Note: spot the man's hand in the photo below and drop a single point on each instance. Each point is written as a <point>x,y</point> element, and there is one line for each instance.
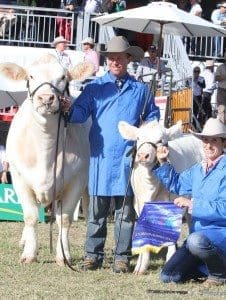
<point>4,178</point>
<point>65,104</point>
<point>70,7</point>
<point>162,153</point>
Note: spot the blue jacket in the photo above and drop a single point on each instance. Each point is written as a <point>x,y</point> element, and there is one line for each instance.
<point>109,166</point>
<point>208,192</point>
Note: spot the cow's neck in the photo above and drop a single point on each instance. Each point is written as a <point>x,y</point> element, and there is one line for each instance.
<point>46,124</point>
<point>45,131</point>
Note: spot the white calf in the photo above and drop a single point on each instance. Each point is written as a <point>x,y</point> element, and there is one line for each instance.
<point>183,152</point>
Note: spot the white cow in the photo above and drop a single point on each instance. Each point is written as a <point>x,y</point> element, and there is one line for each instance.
<point>183,152</point>
<point>31,150</point>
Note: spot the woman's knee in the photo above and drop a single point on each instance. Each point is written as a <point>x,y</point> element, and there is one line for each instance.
<point>197,242</point>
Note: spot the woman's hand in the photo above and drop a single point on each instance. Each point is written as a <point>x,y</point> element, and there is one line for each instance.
<point>183,202</point>
<point>65,104</point>
<point>162,153</point>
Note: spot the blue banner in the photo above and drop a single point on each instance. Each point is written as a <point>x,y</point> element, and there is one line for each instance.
<point>159,225</point>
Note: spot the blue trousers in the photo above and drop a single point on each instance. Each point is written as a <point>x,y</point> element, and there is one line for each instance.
<point>97,227</point>
<point>198,257</point>
<point>217,46</point>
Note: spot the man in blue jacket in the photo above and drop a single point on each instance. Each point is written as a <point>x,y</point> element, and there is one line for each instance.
<point>205,184</point>
<point>109,99</point>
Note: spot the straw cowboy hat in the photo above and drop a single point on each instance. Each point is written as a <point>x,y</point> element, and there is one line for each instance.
<point>59,39</point>
<point>212,128</point>
<point>209,63</point>
<point>222,4</point>
<point>119,44</point>
<point>88,40</point>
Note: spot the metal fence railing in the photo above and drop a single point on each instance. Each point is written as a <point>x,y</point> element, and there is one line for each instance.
<point>177,60</point>
<point>35,26</point>
<point>205,46</point>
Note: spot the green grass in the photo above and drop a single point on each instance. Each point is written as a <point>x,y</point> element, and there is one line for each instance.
<point>45,280</point>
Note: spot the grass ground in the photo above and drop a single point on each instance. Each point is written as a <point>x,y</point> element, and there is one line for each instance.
<point>45,280</point>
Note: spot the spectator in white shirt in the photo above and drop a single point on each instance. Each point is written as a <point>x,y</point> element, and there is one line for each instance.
<point>195,10</point>
<point>150,65</point>
<point>211,85</point>
<point>61,44</point>
<point>218,17</point>
<point>197,83</point>
<point>92,6</point>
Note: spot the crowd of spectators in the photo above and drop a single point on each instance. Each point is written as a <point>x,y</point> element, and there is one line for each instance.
<point>64,25</point>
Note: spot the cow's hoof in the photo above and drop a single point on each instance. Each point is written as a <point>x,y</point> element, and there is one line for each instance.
<point>28,260</point>
<point>140,272</point>
<point>61,262</point>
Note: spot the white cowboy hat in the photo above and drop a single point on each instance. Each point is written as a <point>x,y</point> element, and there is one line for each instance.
<point>59,39</point>
<point>212,128</point>
<point>209,63</point>
<point>88,40</point>
<point>119,44</point>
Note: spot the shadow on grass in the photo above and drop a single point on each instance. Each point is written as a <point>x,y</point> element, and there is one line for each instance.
<point>157,291</point>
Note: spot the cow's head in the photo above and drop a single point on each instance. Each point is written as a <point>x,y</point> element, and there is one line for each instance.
<point>46,80</point>
<point>147,137</point>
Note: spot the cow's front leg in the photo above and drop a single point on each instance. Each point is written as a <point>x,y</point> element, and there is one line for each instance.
<point>29,235</point>
<point>30,212</point>
<point>142,263</point>
<point>64,223</point>
<point>64,217</point>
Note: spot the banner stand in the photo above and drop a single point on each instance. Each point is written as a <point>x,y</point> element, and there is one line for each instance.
<point>10,208</point>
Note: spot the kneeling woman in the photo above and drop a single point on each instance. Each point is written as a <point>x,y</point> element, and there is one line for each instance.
<point>203,254</point>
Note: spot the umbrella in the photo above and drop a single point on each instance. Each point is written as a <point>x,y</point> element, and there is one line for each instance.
<point>11,98</point>
<point>12,93</point>
<point>161,18</point>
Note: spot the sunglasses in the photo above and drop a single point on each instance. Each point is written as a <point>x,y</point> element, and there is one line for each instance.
<point>196,71</point>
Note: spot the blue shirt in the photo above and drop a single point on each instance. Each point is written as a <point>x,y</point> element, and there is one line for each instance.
<point>101,99</point>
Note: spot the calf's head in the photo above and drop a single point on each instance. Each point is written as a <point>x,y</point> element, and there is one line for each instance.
<point>147,137</point>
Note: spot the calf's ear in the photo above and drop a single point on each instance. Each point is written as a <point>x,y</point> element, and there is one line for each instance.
<point>174,131</point>
<point>81,71</point>
<point>13,71</point>
<point>127,131</point>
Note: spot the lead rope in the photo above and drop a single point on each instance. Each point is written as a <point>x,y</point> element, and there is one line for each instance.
<point>52,215</point>
<point>65,117</point>
<point>133,151</point>
<point>54,189</point>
